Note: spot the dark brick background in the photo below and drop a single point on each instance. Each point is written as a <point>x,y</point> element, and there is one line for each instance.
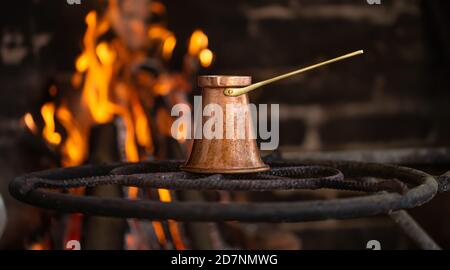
<point>393,96</point>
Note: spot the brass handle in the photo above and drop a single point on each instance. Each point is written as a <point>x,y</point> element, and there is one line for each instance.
<point>233,92</point>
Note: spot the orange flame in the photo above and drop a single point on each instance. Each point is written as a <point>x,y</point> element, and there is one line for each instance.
<point>143,134</point>
<point>82,63</point>
<point>133,192</point>
<point>169,45</point>
<point>206,57</point>
<point>97,61</point>
<point>159,34</point>
<point>29,123</point>
<point>159,231</point>
<point>164,196</point>
<point>104,100</point>
<point>182,132</point>
<point>198,46</point>
<point>49,133</point>
<point>197,42</point>
<point>74,148</point>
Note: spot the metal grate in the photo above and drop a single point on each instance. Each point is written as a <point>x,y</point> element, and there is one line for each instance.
<point>386,189</point>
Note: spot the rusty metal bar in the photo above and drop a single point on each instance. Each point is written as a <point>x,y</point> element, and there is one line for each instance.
<point>421,188</point>
<point>414,230</point>
<point>406,156</point>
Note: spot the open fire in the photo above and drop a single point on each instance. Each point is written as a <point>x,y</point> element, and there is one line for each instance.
<point>117,81</point>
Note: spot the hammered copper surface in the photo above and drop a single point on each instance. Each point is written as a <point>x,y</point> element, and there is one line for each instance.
<point>231,155</point>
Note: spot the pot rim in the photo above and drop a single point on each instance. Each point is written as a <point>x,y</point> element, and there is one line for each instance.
<point>223,81</point>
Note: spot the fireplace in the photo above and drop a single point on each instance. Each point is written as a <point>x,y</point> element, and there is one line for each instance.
<point>87,100</point>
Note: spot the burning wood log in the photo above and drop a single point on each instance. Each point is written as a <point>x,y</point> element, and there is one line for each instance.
<point>100,232</point>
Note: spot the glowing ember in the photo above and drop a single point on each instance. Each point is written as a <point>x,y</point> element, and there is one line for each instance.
<point>37,246</point>
<point>133,192</point>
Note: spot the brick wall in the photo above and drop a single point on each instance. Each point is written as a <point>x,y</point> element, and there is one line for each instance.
<point>395,95</point>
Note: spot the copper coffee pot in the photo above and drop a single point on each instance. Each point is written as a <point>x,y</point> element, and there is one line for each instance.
<point>233,155</point>
<point>224,155</point>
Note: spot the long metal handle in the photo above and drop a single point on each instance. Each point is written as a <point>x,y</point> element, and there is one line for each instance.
<point>233,92</point>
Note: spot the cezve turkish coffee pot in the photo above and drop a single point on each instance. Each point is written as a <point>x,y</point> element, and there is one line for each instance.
<point>233,155</point>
